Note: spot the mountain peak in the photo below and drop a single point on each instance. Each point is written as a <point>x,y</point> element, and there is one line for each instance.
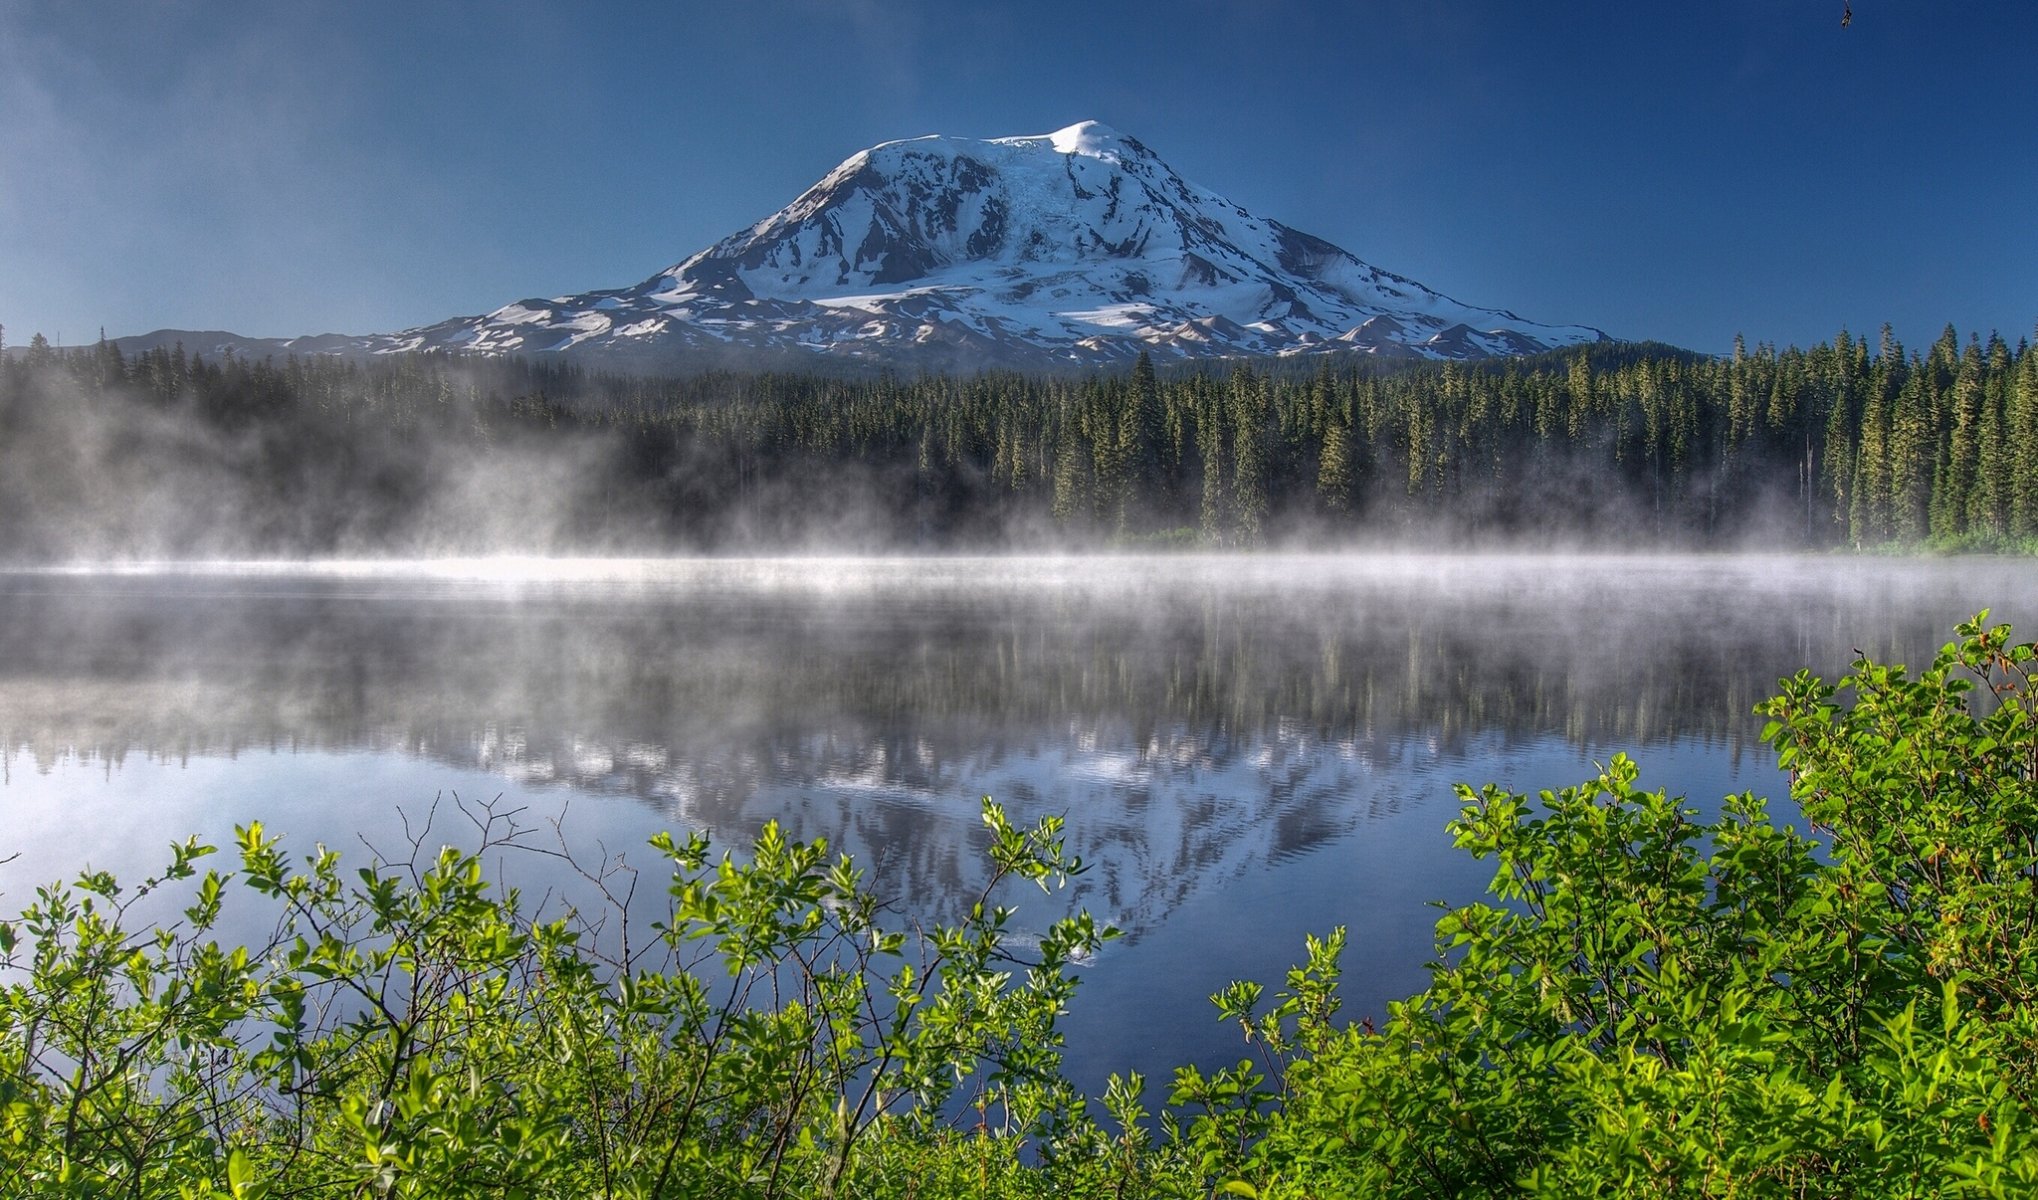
<point>1093,139</point>
<point>1079,246</point>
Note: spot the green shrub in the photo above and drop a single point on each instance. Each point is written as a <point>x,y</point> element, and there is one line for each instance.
<point>1656,1005</point>
<point>412,1031</point>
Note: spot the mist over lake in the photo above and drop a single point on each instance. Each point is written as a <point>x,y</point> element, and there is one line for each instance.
<point>1247,749</point>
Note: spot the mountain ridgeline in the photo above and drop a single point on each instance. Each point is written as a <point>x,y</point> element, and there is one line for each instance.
<point>1072,249</point>
<point>164,454</point>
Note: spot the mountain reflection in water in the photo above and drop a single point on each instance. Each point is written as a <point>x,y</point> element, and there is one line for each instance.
<point>1205,723</point>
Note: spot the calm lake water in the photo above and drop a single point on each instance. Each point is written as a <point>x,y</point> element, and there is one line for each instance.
<point>1247,749</point>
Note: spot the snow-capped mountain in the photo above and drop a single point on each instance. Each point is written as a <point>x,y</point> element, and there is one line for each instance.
<point>1075,247</point>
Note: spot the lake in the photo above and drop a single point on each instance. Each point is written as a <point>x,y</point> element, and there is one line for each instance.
<point>1247,749</point>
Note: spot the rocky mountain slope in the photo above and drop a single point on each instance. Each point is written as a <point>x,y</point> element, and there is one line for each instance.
<point>1074,248</point>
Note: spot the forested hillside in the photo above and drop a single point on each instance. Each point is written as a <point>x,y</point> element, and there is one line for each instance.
<point>1844,444</point>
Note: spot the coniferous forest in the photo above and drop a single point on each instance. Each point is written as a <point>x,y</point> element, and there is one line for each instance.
<point>1846,444</point>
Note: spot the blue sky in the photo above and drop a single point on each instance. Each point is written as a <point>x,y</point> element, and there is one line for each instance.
<point>1671,171</point>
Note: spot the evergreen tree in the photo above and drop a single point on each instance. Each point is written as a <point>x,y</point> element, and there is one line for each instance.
<point>2021,420</point>
<point>1912,461</point>
<point>1870,513</point>
<point>1953,493</point>
<point>1249,412</point>
<point>1988,508</point>
<point>1215,507</point>
<point>1334,465</point>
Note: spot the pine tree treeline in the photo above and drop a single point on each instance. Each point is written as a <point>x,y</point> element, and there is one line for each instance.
<point>1844,444</point>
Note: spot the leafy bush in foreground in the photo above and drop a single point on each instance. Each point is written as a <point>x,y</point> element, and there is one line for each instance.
<point>410,1031</point>
<point>1663,1006</point>
<point>1654,1005</point>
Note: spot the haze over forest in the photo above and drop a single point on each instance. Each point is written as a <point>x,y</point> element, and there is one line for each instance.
<point>1847,444</point>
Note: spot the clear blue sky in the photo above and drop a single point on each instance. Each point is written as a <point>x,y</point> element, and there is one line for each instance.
<point>1670,171</point>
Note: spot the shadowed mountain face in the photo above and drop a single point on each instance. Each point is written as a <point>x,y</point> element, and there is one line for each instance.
<point>1074,248</point>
